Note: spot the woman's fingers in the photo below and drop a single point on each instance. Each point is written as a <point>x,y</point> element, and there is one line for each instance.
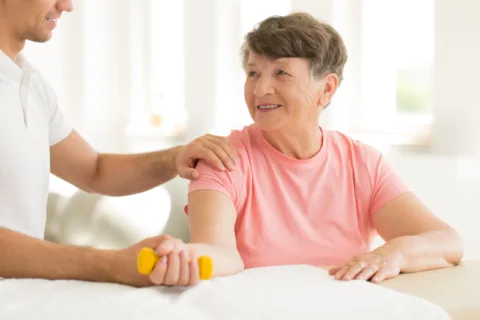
<point>333,270</point>
<point>384,274</point>
<point>173,270</point>
<point>341,272</point>
<point>368,272</point>
<point>184,277</point>
<point>194,271</point>
<point>157,276</point>
<point>354,270</point>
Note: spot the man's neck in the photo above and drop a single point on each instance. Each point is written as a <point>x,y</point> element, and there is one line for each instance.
<point>9,44</point>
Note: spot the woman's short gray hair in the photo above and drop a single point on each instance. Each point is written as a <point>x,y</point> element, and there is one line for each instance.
<point>298,35</point>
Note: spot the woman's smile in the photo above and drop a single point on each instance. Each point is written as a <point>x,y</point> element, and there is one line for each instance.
<point>268,107</point>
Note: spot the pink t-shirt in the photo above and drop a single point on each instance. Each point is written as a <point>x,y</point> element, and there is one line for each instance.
<point>316,211</point>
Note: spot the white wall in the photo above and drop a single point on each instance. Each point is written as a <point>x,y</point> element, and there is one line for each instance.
<point>448,177</point>
<point>457,67</point>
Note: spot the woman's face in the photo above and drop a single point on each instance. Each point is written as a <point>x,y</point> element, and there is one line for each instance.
<point>282,93</point>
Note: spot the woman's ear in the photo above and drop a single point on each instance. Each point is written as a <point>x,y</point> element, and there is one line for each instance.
<point>328,88</point>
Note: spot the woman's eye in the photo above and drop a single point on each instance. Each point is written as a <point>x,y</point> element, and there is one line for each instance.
<point>282,72</point>
<point>252,74</point>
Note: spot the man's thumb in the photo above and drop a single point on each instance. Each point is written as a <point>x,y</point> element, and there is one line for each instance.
<point>189,173</point>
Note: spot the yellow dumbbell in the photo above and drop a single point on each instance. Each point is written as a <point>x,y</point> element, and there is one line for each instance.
<point>147,258</point>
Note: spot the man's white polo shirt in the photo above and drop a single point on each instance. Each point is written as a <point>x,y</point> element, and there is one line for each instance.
<point>30,122</point>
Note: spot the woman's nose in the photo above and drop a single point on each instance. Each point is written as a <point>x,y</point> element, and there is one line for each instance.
<point>263,87</point>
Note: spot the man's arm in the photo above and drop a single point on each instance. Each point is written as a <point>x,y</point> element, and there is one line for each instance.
<point>75,161</point>
<point>212,217</point>
<point>24,257</point>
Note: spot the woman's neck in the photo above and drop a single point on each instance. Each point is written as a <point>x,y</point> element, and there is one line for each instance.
<point>298,143</point>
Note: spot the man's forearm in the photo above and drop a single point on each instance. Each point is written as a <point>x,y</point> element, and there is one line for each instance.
<point>225,262</point>
<point>119,175</point>
<point>431,250</point>
<point>25,257</point>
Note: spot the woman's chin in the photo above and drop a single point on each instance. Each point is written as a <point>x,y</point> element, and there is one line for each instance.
<point>268,125</point>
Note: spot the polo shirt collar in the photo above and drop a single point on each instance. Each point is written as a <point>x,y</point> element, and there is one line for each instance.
<point>12,71</point>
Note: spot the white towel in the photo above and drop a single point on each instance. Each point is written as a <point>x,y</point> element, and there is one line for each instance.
<point>285,292</point>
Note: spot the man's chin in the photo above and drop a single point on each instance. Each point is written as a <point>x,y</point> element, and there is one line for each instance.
<point>41,38</point>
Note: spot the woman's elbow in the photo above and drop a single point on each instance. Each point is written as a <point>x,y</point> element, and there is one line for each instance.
<point>240,263</point>
<point>235,265</point>
<point>457,247</point>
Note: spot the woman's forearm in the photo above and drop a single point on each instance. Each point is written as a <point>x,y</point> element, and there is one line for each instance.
<point>225,261</point>
<point>430,250</point>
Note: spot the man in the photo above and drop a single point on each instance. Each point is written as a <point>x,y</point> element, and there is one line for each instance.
<point>35,140</point>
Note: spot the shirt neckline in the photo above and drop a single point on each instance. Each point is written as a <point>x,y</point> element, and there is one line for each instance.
<point>319,156</point>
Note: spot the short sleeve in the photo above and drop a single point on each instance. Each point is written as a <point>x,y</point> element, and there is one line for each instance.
<point>387,184</point>
<point>59,128</point>
<point>229,183</point>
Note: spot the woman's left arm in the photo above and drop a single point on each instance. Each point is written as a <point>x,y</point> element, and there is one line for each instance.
<point>415,240</point>
<point>423,240</point>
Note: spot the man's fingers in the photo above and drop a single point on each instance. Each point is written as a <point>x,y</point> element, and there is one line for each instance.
<point>219,152</point>
<point>167,246</point>
<point>188,173</point>
<point>211,158</point>
<point>227,147</point>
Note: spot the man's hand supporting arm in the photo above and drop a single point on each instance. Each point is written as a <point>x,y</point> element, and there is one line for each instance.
<point>24,257</point>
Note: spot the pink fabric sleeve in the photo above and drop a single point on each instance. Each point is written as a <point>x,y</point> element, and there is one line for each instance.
<point>226,182</point>
<point>387,184</point>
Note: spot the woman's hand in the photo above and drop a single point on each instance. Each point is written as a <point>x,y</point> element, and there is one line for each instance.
<point>382,263</point>
<point>178,266</point>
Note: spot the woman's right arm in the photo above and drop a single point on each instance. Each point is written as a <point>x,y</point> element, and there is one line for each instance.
<point>212,217</point>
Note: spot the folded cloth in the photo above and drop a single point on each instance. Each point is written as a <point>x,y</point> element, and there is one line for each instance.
<point>283,292</point>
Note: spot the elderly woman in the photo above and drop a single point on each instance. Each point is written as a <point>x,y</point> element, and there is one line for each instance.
<point>301,194</point>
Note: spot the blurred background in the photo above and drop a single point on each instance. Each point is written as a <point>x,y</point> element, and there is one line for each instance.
<point>141,75</point>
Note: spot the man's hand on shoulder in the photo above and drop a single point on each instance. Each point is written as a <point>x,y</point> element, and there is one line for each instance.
<point>215,150</point>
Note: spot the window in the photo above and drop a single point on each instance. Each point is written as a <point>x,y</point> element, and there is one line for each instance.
<point>157,60</point>
<point>166,55</point>
<point>397,55</point>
